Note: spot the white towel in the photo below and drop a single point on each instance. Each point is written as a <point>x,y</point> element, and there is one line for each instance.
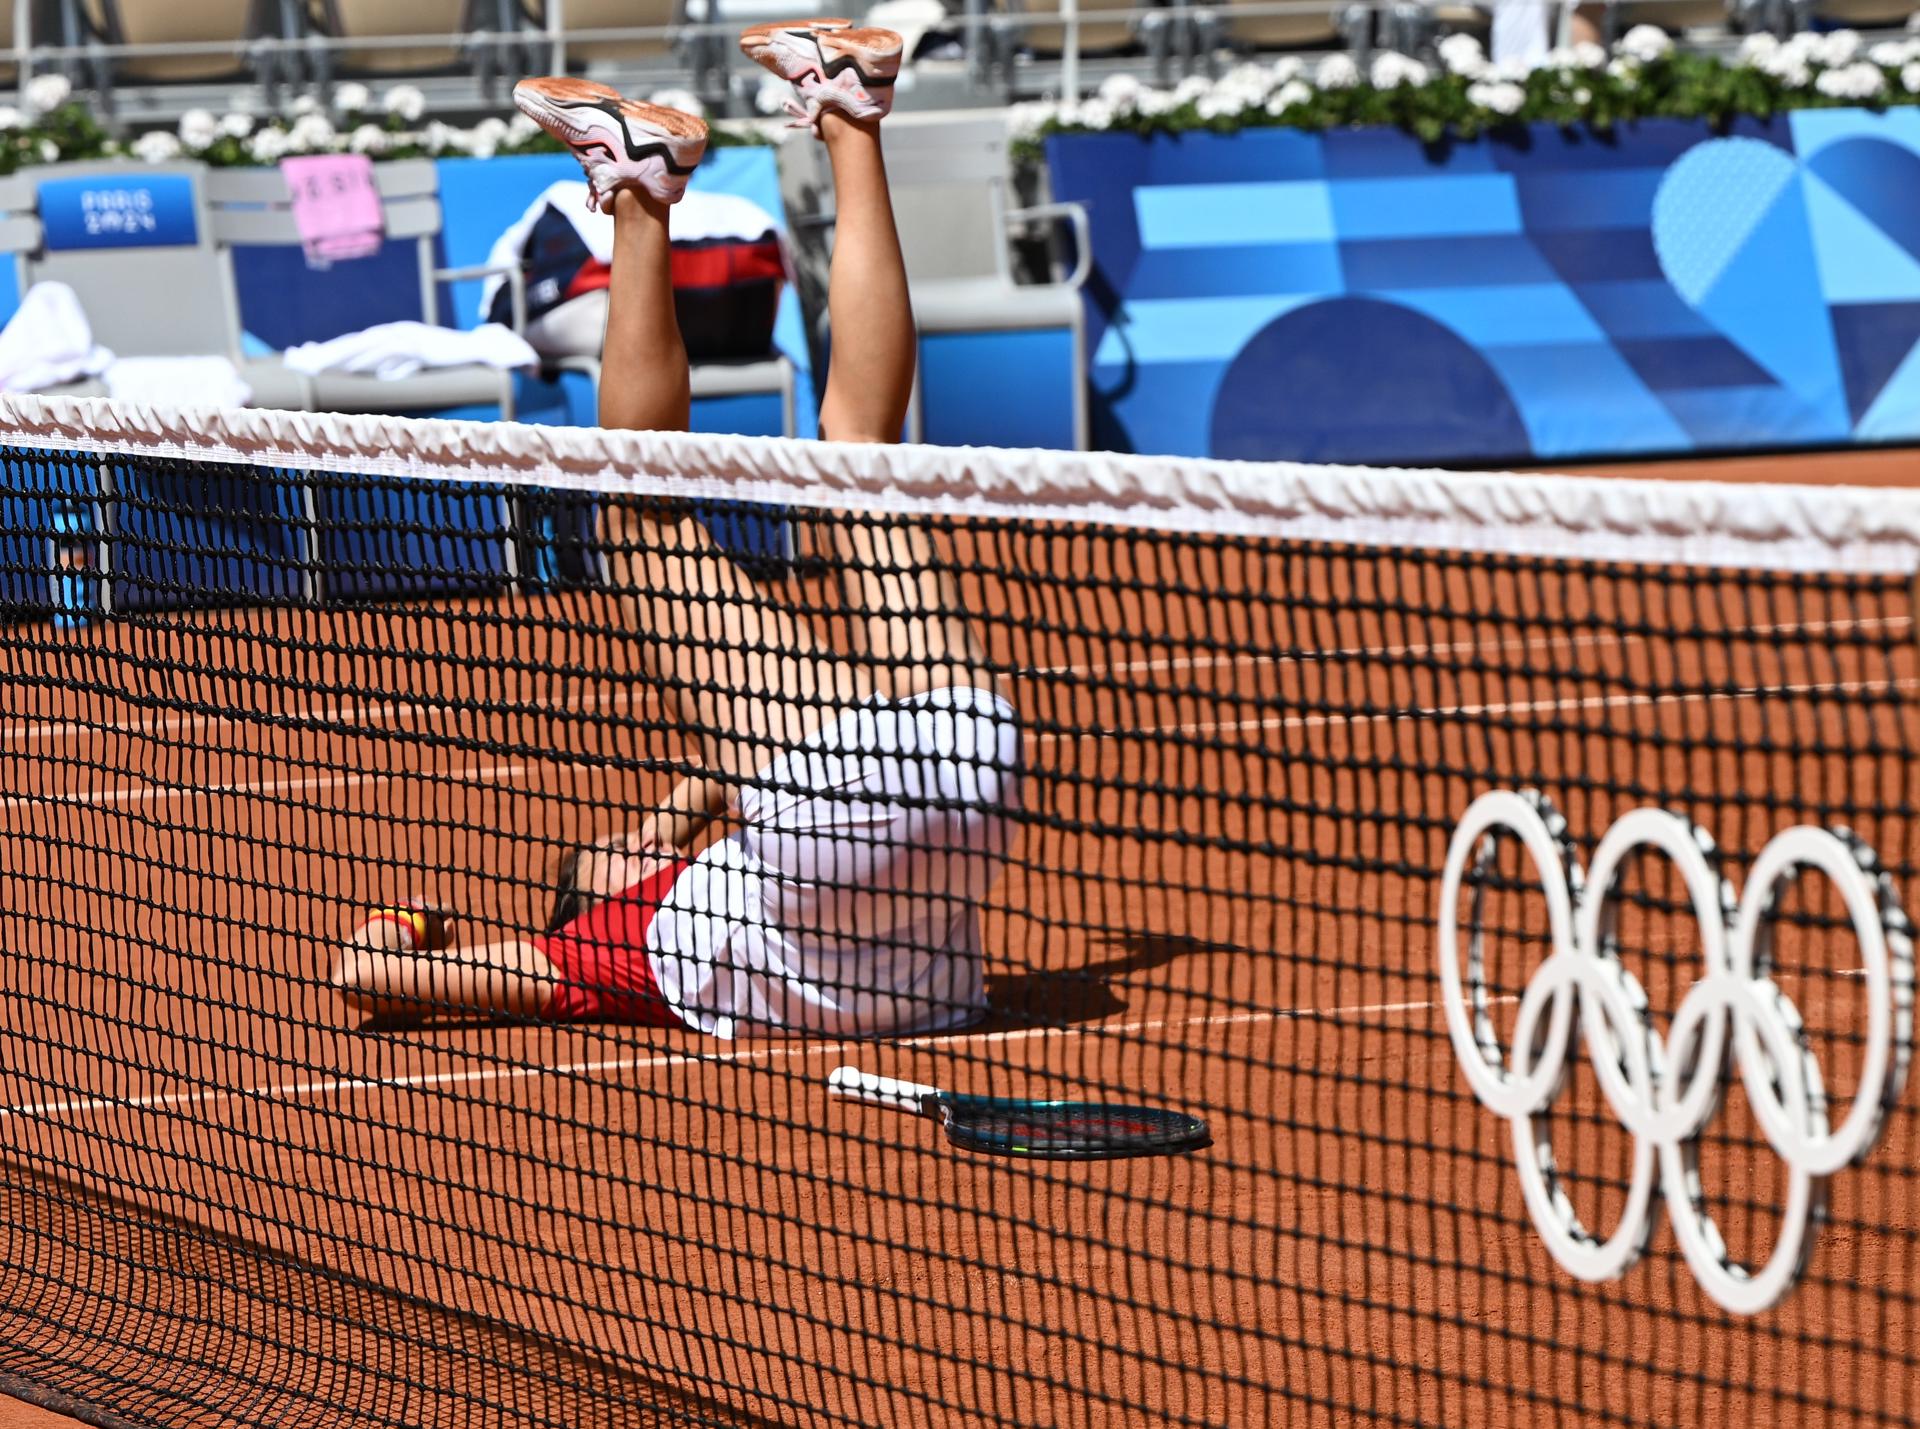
<point>394,350</point>
<point>178,382</point>
<point>48,342</point>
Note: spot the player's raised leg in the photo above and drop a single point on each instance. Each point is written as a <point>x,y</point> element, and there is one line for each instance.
<point>906,605</point>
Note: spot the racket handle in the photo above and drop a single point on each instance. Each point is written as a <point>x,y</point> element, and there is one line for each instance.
<point>856,1085</point>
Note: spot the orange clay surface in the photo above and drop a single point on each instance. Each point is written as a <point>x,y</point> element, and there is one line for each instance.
<point>479,1224</point>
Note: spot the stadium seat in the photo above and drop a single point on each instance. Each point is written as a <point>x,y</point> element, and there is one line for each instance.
<point>1859,14</point>
<point>1002,362</point>
<point>349,20</point>
<point>578,16</point>
<point>250,207</point>
<point>1103,27</point>
<point>1673,15</point>
<point>1319,29</point>
<point>157,22</point>
<point>171,297</point>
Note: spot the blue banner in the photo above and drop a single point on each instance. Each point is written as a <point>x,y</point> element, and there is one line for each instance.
<point>1360,296</point>
<point>131,210</point>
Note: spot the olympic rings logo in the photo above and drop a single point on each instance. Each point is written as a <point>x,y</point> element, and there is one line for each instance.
<point>1665,1090</point>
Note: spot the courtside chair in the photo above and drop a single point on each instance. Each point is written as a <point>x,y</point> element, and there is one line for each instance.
<point>251,208</point>
<point>1002,363</point>
<point>164,289</point>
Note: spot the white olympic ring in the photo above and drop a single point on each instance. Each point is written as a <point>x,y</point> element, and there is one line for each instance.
<point>1665,1090</point>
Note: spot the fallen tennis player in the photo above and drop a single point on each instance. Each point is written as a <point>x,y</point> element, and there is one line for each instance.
<point>873,789</point>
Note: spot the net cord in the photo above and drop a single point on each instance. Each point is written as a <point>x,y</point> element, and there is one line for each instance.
<point>1766,527</point>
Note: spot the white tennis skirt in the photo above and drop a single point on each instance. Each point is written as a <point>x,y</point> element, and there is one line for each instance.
<point>850,903</point>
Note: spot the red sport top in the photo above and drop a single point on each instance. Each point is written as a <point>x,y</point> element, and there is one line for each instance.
<point>606,975</point>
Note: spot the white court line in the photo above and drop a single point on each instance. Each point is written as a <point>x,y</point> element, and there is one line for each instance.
<point>1454,711</point>
<point>381,713</point>
<point>332,1086</point>
<point>1454,647</point>
<point>150,793</point>
<point>156,793</point>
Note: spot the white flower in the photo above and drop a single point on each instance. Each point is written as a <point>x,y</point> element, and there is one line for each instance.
<point>1189,90</point>
<point>1626,71</point>
<point>156,146</point>
<point>311,133</point>
<point>10,118</point>
<point>520,128</point>
<point>1855,81</point>
<point>369,139</point>
<point>1560,57</point>
<point>1025,120</point>
<point>684,100</point>
<point>303,104</point>
<point>1583,96</point>
<point>1463,55</point>
<point>1152,103</point>
<point>352,98</point>
<point>1257,78</point>
<point>1122,91</point>
<point>1838,47</point>
<point>1218,106</point>
<point>1096,114</point>
<point>46,92</point>
<point>1509,71</point>
<point>1889,54</point>
<point>1806,47</point>
<point>1645,43</point>
<point>237,126</point>
<point>269,146</point>
<point>1910,77</point>
<point>1391,70</point>
<point>772,95</point>
<point>49,152</point>
<point>1337,71</point>
<point>406,101</point>
<point>1791,71</point>
<point>1498,96</point>
<point>1289,94</point>
<point>1285,68</point>
<point>444,138</point>
<point>1756,48</point>
<point>487,137</point>
<point>1588,55</point>
<point>199,129</point>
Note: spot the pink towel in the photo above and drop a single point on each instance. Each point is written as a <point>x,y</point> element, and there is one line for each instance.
<point>335,206</point>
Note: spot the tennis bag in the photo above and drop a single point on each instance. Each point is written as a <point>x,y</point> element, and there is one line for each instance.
<point>728,264</point>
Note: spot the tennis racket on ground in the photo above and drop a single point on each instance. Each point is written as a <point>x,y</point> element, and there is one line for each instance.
<point>1013,1126</point>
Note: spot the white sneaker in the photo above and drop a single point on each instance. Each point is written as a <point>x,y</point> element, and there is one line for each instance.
<point>620,142</point>
<point>831,65</point>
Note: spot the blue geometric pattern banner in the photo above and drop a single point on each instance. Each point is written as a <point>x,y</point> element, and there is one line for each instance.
<point>1360,296</point>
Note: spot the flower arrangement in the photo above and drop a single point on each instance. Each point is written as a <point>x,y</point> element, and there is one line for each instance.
<point>1466,94</point>
<point>52,124</point>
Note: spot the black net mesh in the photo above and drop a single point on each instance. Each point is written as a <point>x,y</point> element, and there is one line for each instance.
<point>244,707</point>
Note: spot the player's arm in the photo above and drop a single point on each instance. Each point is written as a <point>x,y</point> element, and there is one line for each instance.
<point>692,804</point>
<point>402,963</point>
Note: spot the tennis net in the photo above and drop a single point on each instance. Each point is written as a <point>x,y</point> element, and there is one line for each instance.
<point>1310,762</point>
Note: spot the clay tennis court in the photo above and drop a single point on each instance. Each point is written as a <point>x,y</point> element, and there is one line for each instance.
<point>1222,899</point>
